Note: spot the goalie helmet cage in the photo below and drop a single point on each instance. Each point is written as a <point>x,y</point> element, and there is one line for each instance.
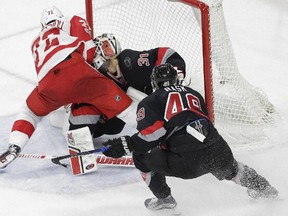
<point>197,31</point>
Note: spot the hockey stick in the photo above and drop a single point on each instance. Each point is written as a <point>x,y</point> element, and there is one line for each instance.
<point>125,161</point>
<point>56,160</point>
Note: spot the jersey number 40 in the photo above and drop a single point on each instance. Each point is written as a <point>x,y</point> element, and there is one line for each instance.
<point>177,103</point>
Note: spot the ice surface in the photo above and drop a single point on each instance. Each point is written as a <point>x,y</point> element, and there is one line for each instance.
<point>258,30</point>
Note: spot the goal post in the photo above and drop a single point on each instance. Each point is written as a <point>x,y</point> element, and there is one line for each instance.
<point>89,13</point>
<point>207,68</point>
<point>205,43</point>
<point>197,31</point>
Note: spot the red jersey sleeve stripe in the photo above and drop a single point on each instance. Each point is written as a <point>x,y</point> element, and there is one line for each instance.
<point>161,54</point>
<point>24,127</point>
<point>151,129</point>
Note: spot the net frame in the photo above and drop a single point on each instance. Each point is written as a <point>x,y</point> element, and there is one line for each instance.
<point>215,83</point>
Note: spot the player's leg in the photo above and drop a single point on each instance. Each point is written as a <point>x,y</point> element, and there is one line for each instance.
<point>223,166</point>
<point>82,124</point>
<point>82,115</point>
<point>80,140</point>
<point>108,126</point>
<point>156,183</point>
<point>257,186</point>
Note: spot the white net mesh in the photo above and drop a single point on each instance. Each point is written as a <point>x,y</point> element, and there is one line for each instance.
<point>241,111</point>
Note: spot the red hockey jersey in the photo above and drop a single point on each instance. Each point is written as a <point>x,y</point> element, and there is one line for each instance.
<point>62,54</point>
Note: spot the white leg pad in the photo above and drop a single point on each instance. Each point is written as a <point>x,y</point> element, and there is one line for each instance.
<point>80,140</point>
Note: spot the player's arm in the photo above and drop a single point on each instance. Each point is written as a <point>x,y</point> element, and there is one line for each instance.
<point>80,28</point>
<point>151,133</point>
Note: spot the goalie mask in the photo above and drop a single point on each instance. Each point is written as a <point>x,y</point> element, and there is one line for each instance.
<point>164,75</point>
<point>107,46</point>
<point>49,15</point>
<point>105,61</point>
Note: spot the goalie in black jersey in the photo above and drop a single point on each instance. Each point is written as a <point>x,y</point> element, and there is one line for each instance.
<point>133,68</point>
<point>176,138</point>
<point>131,71</point>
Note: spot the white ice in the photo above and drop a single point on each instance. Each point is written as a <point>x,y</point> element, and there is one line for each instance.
<point>258,30</point>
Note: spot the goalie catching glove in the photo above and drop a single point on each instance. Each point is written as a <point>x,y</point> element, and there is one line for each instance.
<point>119,147</point>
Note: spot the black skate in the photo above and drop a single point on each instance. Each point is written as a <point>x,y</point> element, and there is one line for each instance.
<point>158,204</point>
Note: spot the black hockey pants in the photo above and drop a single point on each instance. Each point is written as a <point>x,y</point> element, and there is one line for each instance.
<point>216,159</point>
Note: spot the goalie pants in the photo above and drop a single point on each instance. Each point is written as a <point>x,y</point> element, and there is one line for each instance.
<point>110,126</point>
<point>216,159</point>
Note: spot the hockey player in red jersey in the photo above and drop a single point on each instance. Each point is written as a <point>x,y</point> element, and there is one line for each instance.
<point>63,52</point>
<point>177,139</point>
<point>131,70</point>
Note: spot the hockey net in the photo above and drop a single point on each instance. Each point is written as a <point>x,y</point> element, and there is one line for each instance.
<point>197,31</point>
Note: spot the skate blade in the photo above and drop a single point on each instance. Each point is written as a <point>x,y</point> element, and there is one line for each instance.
<point>165,212</point>
<point>175,212</point>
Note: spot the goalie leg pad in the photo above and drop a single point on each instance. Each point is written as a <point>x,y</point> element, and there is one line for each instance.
<point>80,140</point>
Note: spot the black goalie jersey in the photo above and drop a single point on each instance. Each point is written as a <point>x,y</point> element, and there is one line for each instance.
<point>137,66</point>
<point>155,113</point>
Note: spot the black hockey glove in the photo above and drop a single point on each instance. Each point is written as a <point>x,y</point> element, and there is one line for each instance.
<point>118,147</point>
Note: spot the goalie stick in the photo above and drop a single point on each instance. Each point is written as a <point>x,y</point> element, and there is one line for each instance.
<point>100,159</point>
<point>56,160</point>
<point>125,161</point>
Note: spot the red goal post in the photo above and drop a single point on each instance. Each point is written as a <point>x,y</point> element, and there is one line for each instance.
<point>206,46</point>
<point>197,31</point>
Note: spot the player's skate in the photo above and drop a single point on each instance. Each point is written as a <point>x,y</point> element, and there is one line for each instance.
<point>10,155</point>
<point>157,204</point>
<point>258,186</point>
<point>168,204</point>
<point>269,192</point>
